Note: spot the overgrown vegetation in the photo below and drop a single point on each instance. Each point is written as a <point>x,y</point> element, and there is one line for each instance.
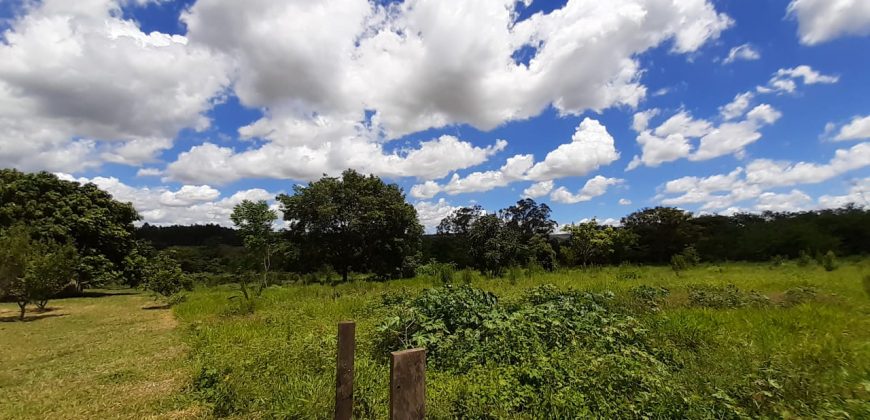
<point>731,342</point>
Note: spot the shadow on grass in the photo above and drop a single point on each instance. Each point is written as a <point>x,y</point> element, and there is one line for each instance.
<point>30,317</point>
<point>96,294</point>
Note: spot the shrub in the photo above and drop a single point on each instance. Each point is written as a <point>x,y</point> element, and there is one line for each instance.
<point>798,295</point>
<point>724,297</point>
<point>626,272</point>
<point>777,261</point>
<point>684,260</point>
<point>164,277</point>
<point>648,297</point>
<point>679,263</point>
<point>552,353</point>
<point>829,261</point>
<point>804,258</point>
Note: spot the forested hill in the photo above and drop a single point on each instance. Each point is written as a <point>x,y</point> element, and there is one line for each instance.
<point>193,235</point>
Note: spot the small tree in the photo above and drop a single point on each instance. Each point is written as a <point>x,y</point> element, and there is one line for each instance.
<point>164,277</point>
<point>254,221</point>
<point>590,242</point>
<point>33,272</point>
<point>49,270</point>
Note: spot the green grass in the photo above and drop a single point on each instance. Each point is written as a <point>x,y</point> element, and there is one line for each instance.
<point>809,360</point>
<point>93,357</point>
<point>107,357</point>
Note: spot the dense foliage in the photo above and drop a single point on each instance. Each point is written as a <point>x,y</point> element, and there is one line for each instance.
<point>32,272</point>
<point>657,235</point>
<point>209,235</point>
<point>99,227</point>
<point>353,223</point>
<point>729,341</point>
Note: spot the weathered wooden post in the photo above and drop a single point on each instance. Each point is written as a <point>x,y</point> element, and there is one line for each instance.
<point>408,384</point>
<point>344,370</point>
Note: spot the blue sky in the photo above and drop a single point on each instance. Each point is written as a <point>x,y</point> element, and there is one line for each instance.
<point>185,108</point>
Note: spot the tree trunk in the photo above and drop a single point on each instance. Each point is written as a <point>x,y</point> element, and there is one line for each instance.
<point>21,305</point>
<point>344,273</point>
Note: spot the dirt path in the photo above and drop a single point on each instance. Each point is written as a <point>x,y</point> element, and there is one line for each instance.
<point>102,356</point>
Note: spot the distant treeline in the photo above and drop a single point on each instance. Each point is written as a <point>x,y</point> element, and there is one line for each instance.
<point>162,237</point>
<point>648,236</point>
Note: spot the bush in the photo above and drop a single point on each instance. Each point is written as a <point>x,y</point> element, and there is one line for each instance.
<point>552,353</point>
<point>164,277</point>
<point>798,295</point>
<point>442,272</point>
<point>724,297</point>
<point>829,261</point>
<point>684,260</point>
<point>648,297</point>
<point>777,261</point>
<point>626,273</point>
<point>804,258</point>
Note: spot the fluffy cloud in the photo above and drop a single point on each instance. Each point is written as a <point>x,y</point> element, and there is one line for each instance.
<point>431,159</point>
<point>594,187</point>
<point>673,139</point>
<point>190,204</point>
<point>823,20</point>
<point>772,173</point>
<point>79,85</point>
<point>426,63</point>
<point>420,64</point>
<point>794,200</point>
<point>857,129</point>
<point>744,52</point>
<point>737,107</point>
<point>538,189</point>
<point>859,194</point>
<point>431,213</point>
<point>724,190</point>
<point>590,148</point>
<point>624,202</point>
<point>785,80</point>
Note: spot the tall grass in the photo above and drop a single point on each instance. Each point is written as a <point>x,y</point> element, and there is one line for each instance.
<point>809,359</point>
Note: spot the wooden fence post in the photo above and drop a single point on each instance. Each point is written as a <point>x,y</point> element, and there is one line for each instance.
<point>408,384</point>
<point>344,370</point>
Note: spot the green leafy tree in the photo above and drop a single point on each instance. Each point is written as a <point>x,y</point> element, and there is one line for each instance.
<point>98,226</point>
<point>164,277</point>
<point>254,221</point>
<point>31,271</point>
<point>355,222</point>
<point>493,246</point>
<point>529,219</point>
<point>533,226</point>
<point>452,235</point>
<point>590,243</point>
<point>661,232</point>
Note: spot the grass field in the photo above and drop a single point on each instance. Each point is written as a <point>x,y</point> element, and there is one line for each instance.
<point>794,356</point>
<point>96,357</point>
<point>806,359</point>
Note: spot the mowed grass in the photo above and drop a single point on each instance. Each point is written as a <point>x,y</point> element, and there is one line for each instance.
<point>98,357</point>
<point>809,360</point>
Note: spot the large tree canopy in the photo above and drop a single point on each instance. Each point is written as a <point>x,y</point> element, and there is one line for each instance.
<point>100,228</point>
<point>354,223</point>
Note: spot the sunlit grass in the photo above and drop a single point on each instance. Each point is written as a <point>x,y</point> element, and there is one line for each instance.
<point>810,360</point>
<point>93,358</point>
